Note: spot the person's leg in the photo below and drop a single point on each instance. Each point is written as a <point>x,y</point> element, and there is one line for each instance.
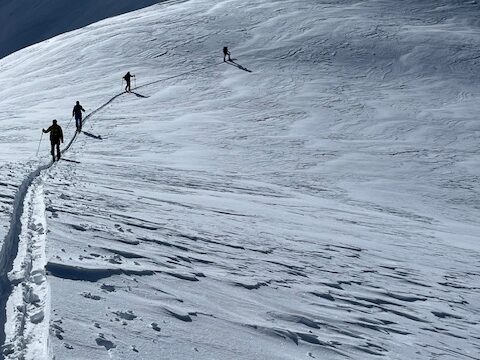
<point>58,150</point>
<point>52,151</point>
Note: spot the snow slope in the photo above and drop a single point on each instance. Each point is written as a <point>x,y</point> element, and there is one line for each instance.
<point>27,22</point>
<point>319,198</point>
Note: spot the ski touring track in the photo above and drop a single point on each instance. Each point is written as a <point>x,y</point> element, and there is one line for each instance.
<point>24,291</point>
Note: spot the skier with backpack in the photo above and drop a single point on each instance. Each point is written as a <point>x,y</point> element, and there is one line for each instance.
<point>127,78</point>
<point>56,136</point>
<point>77,112</point>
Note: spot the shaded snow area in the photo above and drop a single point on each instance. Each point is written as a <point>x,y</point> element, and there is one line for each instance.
<point>317,198</point>
<point>26,22</point>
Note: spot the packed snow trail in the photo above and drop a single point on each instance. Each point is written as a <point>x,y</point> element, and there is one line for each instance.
<point>19,225</point>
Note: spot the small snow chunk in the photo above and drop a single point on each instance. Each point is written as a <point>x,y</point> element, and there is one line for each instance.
<point>38,278</point>
<point>8,349</point>
<point>37,317</point>
<point>155,326</point>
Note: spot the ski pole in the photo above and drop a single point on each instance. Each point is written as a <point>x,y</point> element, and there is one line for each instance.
<point>134,82</point>
<point>121,87</point>
<point>70,122</point>
<point>38,149</point>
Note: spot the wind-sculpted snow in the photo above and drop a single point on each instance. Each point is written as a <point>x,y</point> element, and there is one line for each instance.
<point>323,204</point>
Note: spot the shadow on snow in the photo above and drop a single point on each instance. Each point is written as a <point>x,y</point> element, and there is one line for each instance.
<point>233,63</point>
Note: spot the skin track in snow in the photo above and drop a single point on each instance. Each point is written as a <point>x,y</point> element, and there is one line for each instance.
<point>10,245</point>
<point>19,225</point>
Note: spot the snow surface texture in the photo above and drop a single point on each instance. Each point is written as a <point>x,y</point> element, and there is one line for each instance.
<point>26,22</point>
<point>318,198</point>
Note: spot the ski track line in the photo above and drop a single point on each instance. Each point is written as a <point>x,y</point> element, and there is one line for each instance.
<point>22,217</point>
<point>26,205</point>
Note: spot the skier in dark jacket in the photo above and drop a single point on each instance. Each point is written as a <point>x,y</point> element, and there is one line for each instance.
<point>225,53</point>
<point>127,78</point>
<point>77,112</point>
<point>56,136</point>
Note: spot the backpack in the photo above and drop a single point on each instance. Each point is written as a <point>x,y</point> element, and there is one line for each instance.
<point>55,132</point>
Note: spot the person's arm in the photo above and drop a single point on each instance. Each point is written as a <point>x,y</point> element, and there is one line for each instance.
<point>82,109</point>
<point>48,130</point>
<point>61,135</point>
<point>73,111</point>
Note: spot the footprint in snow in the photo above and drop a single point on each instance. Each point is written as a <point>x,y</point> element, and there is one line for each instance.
<point>115,259</point>
<point>90,296</point>
<point>128,315</point>
<point>57,330</point>
<point>107,344</point>
<point>155,326</point>
<point>79,227</point>
<point>109,288</point>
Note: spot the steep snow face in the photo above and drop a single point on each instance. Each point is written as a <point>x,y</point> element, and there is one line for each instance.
<point>27,22</point>
<point>317,198</point>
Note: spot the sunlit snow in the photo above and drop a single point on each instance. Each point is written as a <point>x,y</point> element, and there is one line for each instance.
<point>317,198</point>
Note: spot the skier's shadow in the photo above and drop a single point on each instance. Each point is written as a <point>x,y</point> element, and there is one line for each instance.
<point>233,63</point>
<point>140,95</point>
<point>97,137</point>
<point>70,160</point>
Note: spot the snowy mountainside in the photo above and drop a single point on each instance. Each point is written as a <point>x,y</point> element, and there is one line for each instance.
<point>27,22</point>
<point>318,198</point>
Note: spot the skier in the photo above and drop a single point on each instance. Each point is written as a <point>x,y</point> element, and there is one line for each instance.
<point>225,53</point>
<point>77,112</point>
<point>56,136</point>
<point>127,79</point>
